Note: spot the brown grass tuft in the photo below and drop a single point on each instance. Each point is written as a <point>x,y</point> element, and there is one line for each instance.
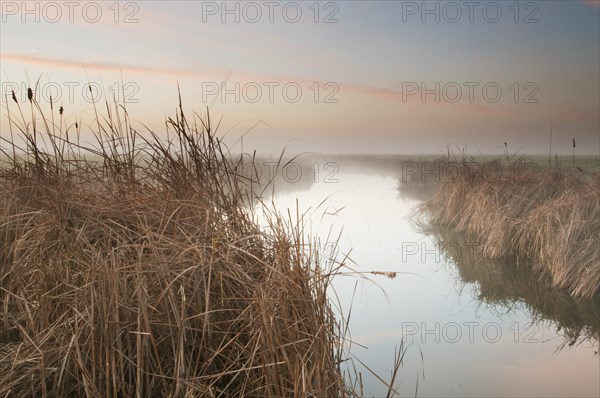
<point>135,268</point>
<point>548,217</point>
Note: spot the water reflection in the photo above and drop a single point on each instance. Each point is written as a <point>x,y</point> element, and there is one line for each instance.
<point>432,298</point>
<point>508,284</point>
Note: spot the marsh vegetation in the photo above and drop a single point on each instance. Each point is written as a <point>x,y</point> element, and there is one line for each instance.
<point>134,266</point>
<point>544,218</point>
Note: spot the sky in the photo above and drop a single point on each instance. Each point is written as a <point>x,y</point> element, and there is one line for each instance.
<point>393,77</point>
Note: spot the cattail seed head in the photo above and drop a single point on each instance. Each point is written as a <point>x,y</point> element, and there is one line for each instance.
<point>14,97</point>
<point>60,110</point>
<point>573,142</point>
<point>29,94</point>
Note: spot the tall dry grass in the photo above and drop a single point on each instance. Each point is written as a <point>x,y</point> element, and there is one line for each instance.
<point>549,219</point>
<point>134,267</point>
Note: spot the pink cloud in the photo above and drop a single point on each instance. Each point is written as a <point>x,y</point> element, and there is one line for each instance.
<point>133,69</point>
<point>102,66</point>
<point>595,3</point>
<point>386,94</point>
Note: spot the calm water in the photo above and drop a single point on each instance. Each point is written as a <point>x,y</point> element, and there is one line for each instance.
<point>467,332</point>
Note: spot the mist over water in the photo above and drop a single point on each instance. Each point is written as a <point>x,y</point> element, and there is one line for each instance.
<point>469,328</point>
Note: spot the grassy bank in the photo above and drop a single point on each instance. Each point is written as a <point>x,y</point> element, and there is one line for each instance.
<point>134,267</point>
<point>544,218</point>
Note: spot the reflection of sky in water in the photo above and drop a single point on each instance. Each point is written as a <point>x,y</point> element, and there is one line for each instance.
<point>468,349</point>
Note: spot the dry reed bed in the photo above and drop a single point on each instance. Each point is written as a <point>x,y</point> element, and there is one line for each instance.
<point>143,273</point>
<point>548,218</point>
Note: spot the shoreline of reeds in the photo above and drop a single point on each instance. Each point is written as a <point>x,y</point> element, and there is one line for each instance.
<point>501,283</point>
<point>545,218</point>
<point>142,273</point>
